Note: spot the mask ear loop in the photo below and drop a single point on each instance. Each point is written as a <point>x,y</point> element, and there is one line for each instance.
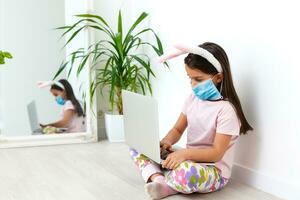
<point>221,88</point>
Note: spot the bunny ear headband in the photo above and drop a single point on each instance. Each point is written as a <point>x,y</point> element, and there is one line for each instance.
<point>183,49</point>
<point>43,84</point>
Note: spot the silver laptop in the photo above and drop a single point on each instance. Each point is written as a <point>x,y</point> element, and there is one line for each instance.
<point>141,124</point>
<point>33,119</point>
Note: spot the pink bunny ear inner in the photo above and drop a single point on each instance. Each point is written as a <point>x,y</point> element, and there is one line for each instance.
<point>164,58</point>
<point>184,48</point>
<point>43,84</point>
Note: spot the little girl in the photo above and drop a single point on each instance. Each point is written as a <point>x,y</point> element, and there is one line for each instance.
<point>214,119</point>
<point>73,117</point>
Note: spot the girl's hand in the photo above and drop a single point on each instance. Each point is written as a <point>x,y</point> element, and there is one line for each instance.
<point>174,159</point>
<point>165,144</point>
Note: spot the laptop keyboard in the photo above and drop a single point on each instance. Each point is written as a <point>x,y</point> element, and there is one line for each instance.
<point>164,154</point>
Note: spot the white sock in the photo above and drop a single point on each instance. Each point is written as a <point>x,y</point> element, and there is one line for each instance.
<point>159,189</point>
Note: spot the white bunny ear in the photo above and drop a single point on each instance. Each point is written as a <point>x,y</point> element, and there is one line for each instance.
<point>182,49</point>
<point>179,50</point>
<point>164,58</point>
<point>44,84</point>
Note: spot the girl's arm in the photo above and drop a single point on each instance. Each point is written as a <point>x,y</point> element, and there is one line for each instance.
<point>212,154</point>
<point>68,114</point>
<point>176,132</point>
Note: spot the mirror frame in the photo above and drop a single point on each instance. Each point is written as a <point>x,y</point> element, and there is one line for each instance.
<point>91,135</point>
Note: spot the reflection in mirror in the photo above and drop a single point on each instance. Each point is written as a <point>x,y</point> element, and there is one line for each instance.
<point>72,114</point>
<point>28,32</point>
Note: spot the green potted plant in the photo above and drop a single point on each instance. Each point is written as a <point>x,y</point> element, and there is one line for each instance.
<point>123,64</point>
<point>3,56</point>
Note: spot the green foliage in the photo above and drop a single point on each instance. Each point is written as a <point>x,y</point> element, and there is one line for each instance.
<point>3,56</point>
<point>124,67</point>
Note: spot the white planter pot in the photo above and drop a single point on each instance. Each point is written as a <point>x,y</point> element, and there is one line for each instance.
<point>114,127</point>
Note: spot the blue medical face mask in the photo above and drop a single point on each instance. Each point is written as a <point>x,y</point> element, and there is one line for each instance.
<point>206,90</point>
<point>60,101</point>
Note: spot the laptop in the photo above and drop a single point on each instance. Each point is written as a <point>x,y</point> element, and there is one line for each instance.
<point>33,119</point>
<point>141,126</point>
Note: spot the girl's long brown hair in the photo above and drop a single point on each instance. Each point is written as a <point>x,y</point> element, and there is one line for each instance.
<point>70,95</point>
<point>228,92</point>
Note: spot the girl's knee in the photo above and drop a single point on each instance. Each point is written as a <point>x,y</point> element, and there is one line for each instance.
<point>187,177</point>
<point>187,165</point>
<point>178,178</point>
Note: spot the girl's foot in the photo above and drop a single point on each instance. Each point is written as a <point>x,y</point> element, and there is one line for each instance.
<point>159,189</point>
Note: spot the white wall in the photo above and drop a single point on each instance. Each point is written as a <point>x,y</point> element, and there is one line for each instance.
<point>262,41</point>
<point>27,32</point>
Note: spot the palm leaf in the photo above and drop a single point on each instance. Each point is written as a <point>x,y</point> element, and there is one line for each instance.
<point>120,28</point>
<point>82,64</point>
<point>135,24</point>
<point>93,16</point>
<point>61,69</point>
<point>144,64</point>
<point>122,66</point>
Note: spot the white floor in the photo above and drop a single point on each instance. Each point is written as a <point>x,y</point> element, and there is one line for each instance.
<point>87,172</point>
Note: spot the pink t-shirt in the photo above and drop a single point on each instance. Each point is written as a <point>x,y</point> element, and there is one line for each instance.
<point>77,123</point>
<point>205,119</point>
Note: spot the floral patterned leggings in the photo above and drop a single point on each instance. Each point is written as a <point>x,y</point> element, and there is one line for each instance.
<point>188,177</point>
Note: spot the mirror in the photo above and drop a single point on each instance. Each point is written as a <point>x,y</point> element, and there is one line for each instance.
<point>28,33</point>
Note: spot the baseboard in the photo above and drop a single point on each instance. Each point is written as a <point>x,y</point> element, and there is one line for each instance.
<point>265,183</point>
<point>45,140</point>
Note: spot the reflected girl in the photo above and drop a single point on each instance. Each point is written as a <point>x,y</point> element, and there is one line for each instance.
<point>73,117</point>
